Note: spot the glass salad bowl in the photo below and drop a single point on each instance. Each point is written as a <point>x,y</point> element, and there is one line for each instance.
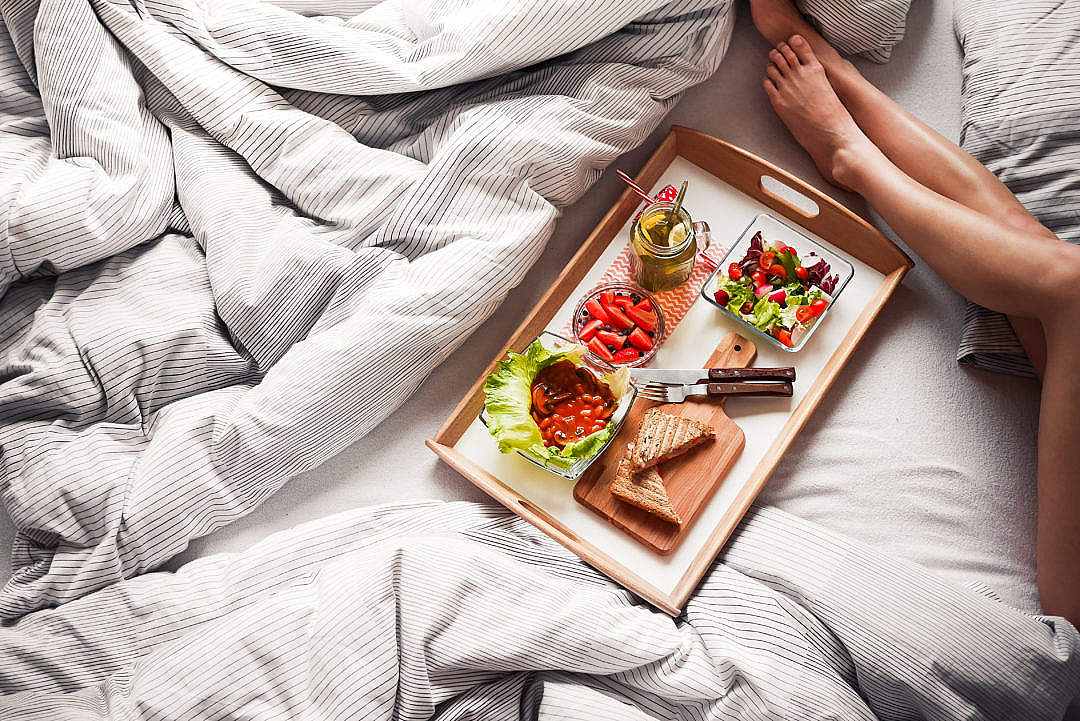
<point>837,273</point>
<point>572,468</point>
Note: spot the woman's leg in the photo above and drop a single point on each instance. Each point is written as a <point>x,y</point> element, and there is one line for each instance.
<point>914,147</point>
<point>997,264</point>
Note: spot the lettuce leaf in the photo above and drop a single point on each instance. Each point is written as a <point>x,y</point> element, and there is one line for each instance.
<point>766,313</point>
<point>738,294</point>
<point>508,399</point>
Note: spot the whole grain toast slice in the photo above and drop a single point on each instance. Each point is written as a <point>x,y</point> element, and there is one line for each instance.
<point>662,436</point>
<point>644,490</point>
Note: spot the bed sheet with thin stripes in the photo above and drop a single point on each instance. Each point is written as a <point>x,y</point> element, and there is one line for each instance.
<point>234,237</point>
<point>463,611</point>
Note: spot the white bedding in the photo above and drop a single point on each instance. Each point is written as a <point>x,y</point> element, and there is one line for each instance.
<point>932,461</point>
<point>974,526</point>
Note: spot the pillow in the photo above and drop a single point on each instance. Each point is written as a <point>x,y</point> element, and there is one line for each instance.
<point>859,27</point>
<point>1021,119</point>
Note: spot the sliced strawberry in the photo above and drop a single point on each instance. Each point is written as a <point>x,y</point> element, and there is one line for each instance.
<point>643,319</point>
<point>619,319</point>
<point>614,341</point>
<point>607,297</point>
<point>640,340</point>
<point>600,350</point>
<point>627,355</point>
<point>598,312</point>
<point>589,329</point>
<point>624,302</point>
<point>645,305</point>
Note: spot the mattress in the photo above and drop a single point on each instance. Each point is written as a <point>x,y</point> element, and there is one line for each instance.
<point>908,452</point>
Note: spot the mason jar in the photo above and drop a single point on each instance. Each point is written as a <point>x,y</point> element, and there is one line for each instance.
<point>663,252</point>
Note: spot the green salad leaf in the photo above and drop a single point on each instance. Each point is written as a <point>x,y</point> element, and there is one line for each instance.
<point>738,294</point>
<point>766,313</point>
<point>508,399</point>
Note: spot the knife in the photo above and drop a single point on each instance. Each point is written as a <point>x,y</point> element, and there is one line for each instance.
<point>693,375</point>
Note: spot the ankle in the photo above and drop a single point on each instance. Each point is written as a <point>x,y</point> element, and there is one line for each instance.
<point>851,162</point>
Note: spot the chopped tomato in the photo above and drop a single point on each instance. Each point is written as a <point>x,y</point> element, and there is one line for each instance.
<point>619,319</point>
<point>614,341</point>
<point>802,274</point>
<point>779,247</point>
<point>598,312</point>
<point>759,278</point>
<point>627,355</point>
<point>767,258</point>
<point>607,297</point>
<point>789,249</point>
<point>803,313</point>
<point>642,318</point>
<point>818,306</point>
<point>600,350</point>
<point>589,329</point>
<point>645,305</point>
<point>784,336</point>
<point>624,302</point>
<point>734,271</point>
<point>640,340</point>
<point>777,269</point>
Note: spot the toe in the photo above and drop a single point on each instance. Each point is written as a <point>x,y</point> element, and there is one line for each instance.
<point>779,60</point>
<point>802,50</point>
<point>789,54</point>
<point>770,88</point>
<point>774,74</point>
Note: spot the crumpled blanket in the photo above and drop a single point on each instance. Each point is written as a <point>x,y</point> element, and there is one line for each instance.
<point>235,235</point>
<point>460,611</point>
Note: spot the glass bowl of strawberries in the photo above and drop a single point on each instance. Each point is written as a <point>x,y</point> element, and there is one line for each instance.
<point>620,324</point>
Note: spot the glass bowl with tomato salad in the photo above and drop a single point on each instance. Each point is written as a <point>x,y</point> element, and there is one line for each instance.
<point>790,309</point>
<point>620,323</point>
<point>560,393</point>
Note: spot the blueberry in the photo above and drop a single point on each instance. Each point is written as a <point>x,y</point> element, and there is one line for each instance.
<point>607,328</point>
<point>635,297</point>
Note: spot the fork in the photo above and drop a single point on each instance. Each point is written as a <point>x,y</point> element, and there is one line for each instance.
<point>678,394</point>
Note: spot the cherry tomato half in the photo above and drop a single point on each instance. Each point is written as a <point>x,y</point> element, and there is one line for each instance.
<point>803,313</point>
<point>784,336</point>
<point>818,306</point>
<point>734,271</point>
<point>777,269</point>
<point>759,278</point>
<point>802,274</point>
<point>766,259</point>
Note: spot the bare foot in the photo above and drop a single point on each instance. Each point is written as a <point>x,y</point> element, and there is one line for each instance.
<point>801,95</point>
<point>778,20</point>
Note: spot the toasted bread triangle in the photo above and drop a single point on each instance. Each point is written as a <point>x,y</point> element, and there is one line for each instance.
<point>644,490</point>
<point>662,436</point>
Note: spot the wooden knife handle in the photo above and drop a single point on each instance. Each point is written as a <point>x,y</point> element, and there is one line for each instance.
<point>739,374</point>
<point>779,388</point>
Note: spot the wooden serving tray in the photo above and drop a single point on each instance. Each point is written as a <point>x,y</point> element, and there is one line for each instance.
<point>731,187</point>
<point>690,479</point>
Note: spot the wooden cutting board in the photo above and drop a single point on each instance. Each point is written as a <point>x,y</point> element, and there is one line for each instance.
<point>690,479</point>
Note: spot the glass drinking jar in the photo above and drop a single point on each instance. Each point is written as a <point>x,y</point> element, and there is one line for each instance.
<point>663,251</point>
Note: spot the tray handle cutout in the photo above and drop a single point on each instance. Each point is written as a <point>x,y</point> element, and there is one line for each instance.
<point>790,197</point>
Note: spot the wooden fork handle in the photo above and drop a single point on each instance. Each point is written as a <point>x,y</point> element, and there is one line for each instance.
<point>779,388</point>
<point>739,374</point>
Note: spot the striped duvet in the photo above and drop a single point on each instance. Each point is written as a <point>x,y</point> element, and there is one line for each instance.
<point>233,237</point>
<point>458,611</point>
